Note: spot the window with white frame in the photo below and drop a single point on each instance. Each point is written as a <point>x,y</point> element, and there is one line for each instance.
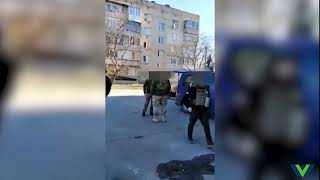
<point>134,11</point>
<point>112,7</point>
<point>146,59</point>
<point>174,37</point>
<point>191,25</point>
<point>162,40</point>
<point>147,31</point>
<point>162,27</point>
<point>174,24</point>
<point>134,14</point>
<point>160,53</point>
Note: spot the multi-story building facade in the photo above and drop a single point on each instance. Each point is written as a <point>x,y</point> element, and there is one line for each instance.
<point>161,33</point>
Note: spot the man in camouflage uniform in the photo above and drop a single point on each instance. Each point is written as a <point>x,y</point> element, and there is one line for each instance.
<point>160,91</point>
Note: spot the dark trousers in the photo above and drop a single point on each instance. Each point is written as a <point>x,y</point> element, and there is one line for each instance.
<point>203,116</point>
<point>148,99</point>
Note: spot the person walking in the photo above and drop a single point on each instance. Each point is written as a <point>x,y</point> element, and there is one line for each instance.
<point>148,97</point>
<point>197,100</point>
<point>160,90</point>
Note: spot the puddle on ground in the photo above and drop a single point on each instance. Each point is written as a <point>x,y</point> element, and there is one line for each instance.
<point>187,170</point>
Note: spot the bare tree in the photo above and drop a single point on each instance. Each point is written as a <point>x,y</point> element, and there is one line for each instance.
<point>196,51</point>
<point>118,41</point>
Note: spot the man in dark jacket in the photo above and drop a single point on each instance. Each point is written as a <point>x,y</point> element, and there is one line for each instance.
<point>148,97</point>
<point>160,90</point>
<point>197,100</point>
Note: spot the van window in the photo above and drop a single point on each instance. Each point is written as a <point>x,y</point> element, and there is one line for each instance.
<point>187,80</point>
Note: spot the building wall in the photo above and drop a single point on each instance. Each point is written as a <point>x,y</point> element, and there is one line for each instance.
<point>151,14</point>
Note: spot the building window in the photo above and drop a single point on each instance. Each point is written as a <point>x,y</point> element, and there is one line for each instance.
<point>112,8</point>
<point>174,24</point>
<point>162,40</point>
<point>147,31</point>
<point>146,59</point>
<point>134,26</point>
<point>186,61</point>
<point>120,41</point>
<point>174,37</point>
<point>134,14</point>
<point>136,55</point>
<point>135,41</point>
<point>148,17</point>
<point>134,11</point>
<point>127,40</point>
<point>145,44</point>
<point>191,25</point>
<point>122,54</point>
<point>110,22</point>
<point>173,61</point>
<point>160,53</point>
<point>162,27</point>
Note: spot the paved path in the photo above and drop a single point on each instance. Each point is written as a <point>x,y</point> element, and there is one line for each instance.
<point>136,146</point>
<point>62,145</point>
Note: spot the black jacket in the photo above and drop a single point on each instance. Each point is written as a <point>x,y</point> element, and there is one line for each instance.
<point>147,86</point>
<point>190,96</point>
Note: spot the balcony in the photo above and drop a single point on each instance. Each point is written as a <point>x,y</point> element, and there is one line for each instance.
<point>191,27</point>
<point>128,62</point>
<point>190,31</point>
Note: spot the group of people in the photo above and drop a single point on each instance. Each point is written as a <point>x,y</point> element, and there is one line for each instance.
<point>196,99</point>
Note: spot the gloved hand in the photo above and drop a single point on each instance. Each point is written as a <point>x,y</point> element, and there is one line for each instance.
<point>189,109</point>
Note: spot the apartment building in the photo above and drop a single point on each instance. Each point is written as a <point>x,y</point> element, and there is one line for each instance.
<point>161,34</point>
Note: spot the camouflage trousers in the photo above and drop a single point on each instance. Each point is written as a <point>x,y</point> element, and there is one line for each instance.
<point>159,108</point>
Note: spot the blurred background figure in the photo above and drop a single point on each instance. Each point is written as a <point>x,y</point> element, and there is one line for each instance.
<point>108,84</point>
<point>267,87</point>
<point>55,113</point>
<point>5,75</point>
